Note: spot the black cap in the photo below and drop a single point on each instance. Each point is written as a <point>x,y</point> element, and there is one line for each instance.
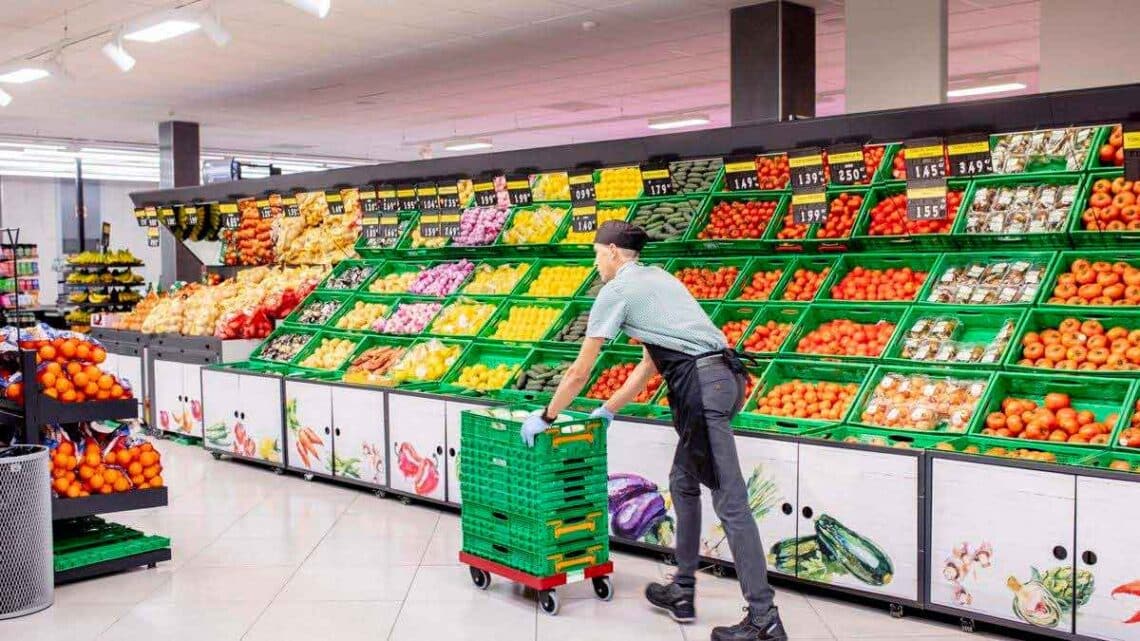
<point>621,234</point>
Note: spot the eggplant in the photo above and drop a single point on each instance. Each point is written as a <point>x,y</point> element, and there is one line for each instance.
<point>638,515</point>
<point>623,487</point>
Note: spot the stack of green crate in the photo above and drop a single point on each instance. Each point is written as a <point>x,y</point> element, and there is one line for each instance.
<point>541,510</point>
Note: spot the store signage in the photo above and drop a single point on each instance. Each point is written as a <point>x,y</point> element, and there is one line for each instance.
<point>289,207</point>
<point>809,208</point>
<point>740,173</point>
<point>152,237</point>
<point>406,197</point>
<point>925,159</point>
<point>518,190</point>
<point>926,202</point>
<point>264,209</point>
<point>449,223</point>
<point>847,165</point>
<point>389,202</point>
<point>389,226</point>
<point>152,216</point>
<point>656,180</point>
<point>427,201</point>
<point>169,218</point>
<point>582,186</point>
<point>448,196</point>
<point>485,194</point>
<point>190,213</point>
<point>969,155</point>
<point>231,219</point>
<point>584,217</point>
<point>806,169</point>
<point>1131,132</point>
<point>335,202</point>
<point>140,216</point>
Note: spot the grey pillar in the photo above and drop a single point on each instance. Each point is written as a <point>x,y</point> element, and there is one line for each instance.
<point>773,62</point>
<point>180,165</point>
<point>896,54</point>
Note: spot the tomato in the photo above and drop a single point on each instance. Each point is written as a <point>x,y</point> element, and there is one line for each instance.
<point>804,284</point>
<point>819,400</point>
<point>761,285</point>
<point>704,283</point>
<point>841,216</point>
<point>879,284</point>
<point>773,171</point>
<point>1056,420</point>
<point>610,380</point>
<point>1102,283</point>
<point>888,217</point>
<point>738,219</point>
<point>734,331</point>
<point>843,337</point>
<point>767,337</point>
<point>872,158</point>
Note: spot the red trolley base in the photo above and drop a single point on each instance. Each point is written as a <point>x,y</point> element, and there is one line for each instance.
<point>482,569</point>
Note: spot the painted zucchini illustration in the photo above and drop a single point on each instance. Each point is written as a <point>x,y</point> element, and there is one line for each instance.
<point>834,550</point>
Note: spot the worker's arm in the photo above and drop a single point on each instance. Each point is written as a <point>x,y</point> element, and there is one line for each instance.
<point>634,384</point>
<point>575,376</point>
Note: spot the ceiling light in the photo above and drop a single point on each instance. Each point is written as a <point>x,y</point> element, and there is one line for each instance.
<point>118,55</point>
<point>164,30</point>
<point>5,98</point>
<point>675,122</point>
<point>26,74</point>
<point>214,30</point>
<point>470,144</point>
<point>318,8</point>
<point>985,89</point>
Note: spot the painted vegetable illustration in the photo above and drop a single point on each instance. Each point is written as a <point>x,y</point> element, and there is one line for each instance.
<point>1132,589</point>
<point>1045,598</point>
<point>762,497</point>
<point>833,550</point>
<point>243,442</point>
<point>423,470</point>
<point>964,563</point>
<point>217,435</point>
<point>639,510</point>
<point>309,445</point>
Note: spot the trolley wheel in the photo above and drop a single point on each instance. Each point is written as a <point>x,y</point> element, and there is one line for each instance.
<point>897,611</point>
<point>548,601</point>
<point>481,578</point>
<point>217,455</point>
<point>603,588</point>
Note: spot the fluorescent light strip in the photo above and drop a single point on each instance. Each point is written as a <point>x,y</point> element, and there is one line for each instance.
<point>317,8</point>
<point>119,56</point>
<point>27,74</point>
<point>164,30</point>
<point>467,145</point>
<point>5,98</point>
<point>985,89</point>
<point>676,122</point>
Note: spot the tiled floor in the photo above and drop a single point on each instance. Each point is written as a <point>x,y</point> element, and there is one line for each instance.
<point>260,556</point>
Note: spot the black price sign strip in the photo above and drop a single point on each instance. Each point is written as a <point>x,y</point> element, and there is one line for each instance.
<point>386,194</point>
<point>152,237</point>
<point>152,217</point>
<point>926,202</point>
<point>289,207</point>
<point>370,213</point>
<point>389,226</point>
<point>925,159</point>
<point>427,198</point>
<point>168,216</point>
<point>335,202</point>
<point>448,196</point>
<point>582,187</point>
<point>406,197</point>
<point>847,164</point>
<point>806,169</point>
<point>140,216</point>
<point>656,180</point>
<point>1131,132</point>
<point>449,222</point>
<point>485,194</point>
<point>190,212</point>
<point>740,173</point>
<point>231,219</point>
<point>264,210</point>
<point>518,190</point>
<point>970,155</point>
<point>809,208</point>
<point>584,217</point>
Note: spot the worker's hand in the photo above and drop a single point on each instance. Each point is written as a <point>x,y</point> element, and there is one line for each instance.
<point>533,426</point>
<point>602,412</point>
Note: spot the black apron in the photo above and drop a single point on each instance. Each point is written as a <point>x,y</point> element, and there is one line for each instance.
<point>694,454</point>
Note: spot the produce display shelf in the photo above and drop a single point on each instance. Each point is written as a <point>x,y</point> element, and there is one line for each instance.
<point>765,264</point>
<point>70,508</point>
<point>955,424</point>
<point>157,553</point>
<point>977,326</point>
<point>1104,233</point>
<point>821,313</point>
<point>917,262</point>
<point>1042,319</point>
<point>864,240</point>
<point>1063,264</point>
<point>783,371</point>
<point>812,241</point>
<point>882,438</point>
<point>1022,239</point>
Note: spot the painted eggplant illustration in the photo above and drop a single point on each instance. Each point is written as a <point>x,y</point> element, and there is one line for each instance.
<point>638,510</point>
<point>833,550</point>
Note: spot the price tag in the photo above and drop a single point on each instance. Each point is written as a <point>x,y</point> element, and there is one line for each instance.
<point>485,194</point>
<point>264,211</point>
<point>584,217</point>
<point>806,169</point>
<point>152,216</point>
<point>582,186</point>
<point>518,190</point>
<point>926,202</point>
<point>1131,132</point>
<point>449,223</point>
<point>809,208</point>
<point>152,237</point>
<point>289,207</point>
<point>847,164</point>
<point>925,159</point>
<point>168,216</point>
<point>140,216</point>
<point>427,198</point>
<point>740,173</point>
<point>335,201</point>
<point>191,214</point>
<point>406,197</point>
<point>970,155</point>
<point>386,194</point>
<point>448,196</point>
<point>656,180</point>
<point>369,204</point>
<point>231,219</point>
<point>389,227</point>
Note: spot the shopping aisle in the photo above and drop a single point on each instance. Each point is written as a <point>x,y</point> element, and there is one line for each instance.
<point>260,556</point>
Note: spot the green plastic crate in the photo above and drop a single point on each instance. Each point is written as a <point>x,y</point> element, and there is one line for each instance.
<point>489,355</point>
<point>598,173</point>
<point>916,262</point>
<point>812,242</point>
<point>535,535</point>
<point>255,356</point>
<point>491,479</point>
<point>821,313</point>
<point>350,304</point>
<point>713,264</point>
<point>574,309</point>
<point>315,298</point>
<point>496,263</point>
<point>1100,238</point>
<point>1056,163</point>
<point>889,439</point>
<point>816,264</point>
<point>102,553</point>
<point>680,168</point>
<point>884,174</point>
<point>463,345</point>
<point>752,245</point>
<point>783,264</point>
<point>538,193</point>
<point>371,341</point>
<point>607,360</point>
<point>543,248</point>
<point>392,267</point>
<point>1101,395</point>
<point>729,312</point>
<point>523,289</point>
<point>572,439</point>
<point>905,242</point>
<point>986,447</point>
<point>440,244</point>
<point>671,237</point>
<point>788,313</point>
<point>342,267</point>
<point>538,356</point>
<point>1115,460</point>
<point>411,300</point>
<point>315,344</point>
<point>1101,139</point>
<point>1022,239</point>
<point>572,558</point>
<point>1065,262</point>
<point>955,425</point>
<point>504,312</point>
<point>782,371</point>
<point>1043,261</point>
<point>1041,319</point>
<point>474,331</point>
<point>977,325</point>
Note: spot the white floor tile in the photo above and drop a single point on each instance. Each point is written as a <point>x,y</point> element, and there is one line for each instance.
<point>360,583</point>
<point>852,621</point>
<point>366,549</point>
<point>225,584</point>
<point>234,551</point>
<point>443,549</point>
<point>340,620</point>
<point>127,587</point>
<point>185,621</point>
<point>64,622</point>
<point>617,620</point>
<point>498,619</point>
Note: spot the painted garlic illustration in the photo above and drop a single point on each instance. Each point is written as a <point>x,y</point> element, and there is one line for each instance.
<point>964,563</point>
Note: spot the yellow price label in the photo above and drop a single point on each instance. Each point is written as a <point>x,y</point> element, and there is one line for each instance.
<point>809,199</point>
<point>924,152</point>
<point>1132,140</point>
<point>921,193</point>
<point>654,174</point>
<point>805,161</point>
<point>740,166</point>
<point>846,157</point>
<point>963,148</point>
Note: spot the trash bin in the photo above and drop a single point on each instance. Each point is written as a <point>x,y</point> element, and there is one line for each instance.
<point>26,575</point>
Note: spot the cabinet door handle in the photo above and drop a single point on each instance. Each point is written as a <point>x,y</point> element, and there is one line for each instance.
<point>451,451</point>
<point>243,416</point>
<point>1089,557</point>
<point>1060,553</point>
<point>439,449</point>
<point>236,414</point>
<point>787,508</point>
<point>336,432</point>
<point>807,512</point>
<point>326,430</point>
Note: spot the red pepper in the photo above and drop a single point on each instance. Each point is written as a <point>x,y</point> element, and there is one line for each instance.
<point>427,478</point>
<point>409,460</point>
<point>1133,589</point>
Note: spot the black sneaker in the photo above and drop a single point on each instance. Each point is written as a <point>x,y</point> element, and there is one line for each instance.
<point>678,601</point>
<point>764,627</point>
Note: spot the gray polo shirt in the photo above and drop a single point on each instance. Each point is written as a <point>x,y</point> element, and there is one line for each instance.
<point>651,305</point>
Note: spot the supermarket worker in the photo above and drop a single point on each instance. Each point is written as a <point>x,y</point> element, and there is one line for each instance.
<point>706,389</point>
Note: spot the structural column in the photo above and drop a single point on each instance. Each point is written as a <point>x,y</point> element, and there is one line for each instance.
<point>773,62</point>
<point>180,165</point>
<point>895,54</point>
<point>1088,44</point>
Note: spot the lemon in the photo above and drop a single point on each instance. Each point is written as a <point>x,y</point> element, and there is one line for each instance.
<point>604,214</point>
<point>618,183</point>
<point>558,280</point>
<point>531,226</point>
<point>526,323</point>
<point>499,280</point>
<point>462,318</point>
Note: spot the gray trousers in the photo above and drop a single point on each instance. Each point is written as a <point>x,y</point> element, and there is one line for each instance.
<point>722,392</point>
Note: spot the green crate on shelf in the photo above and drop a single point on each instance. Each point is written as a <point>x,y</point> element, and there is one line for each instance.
<point>387,300</point>
<point>504,313</point>
<point>1099,394</point>
<point>1064,264</point>
<point>976,326</point>
<point>390,267</point>
<point>665,221</point>
<point>1020,239</point>
<point>608,359</point>
<point>494,264</point>
<point>340,269</point>
<point>428,247</point>
<point>463,345</point>
<point>714,264</point>
<point>409,301</point>
<point>1102,138</point>
<point>543,248</point>
<point>382,248</point>
<point>523,289</point>
<point>369,342</point>
<point>1115,460</point>
<point>812,242</point>
<point>1045,318</point>
<point>471,331</point>
<point>954,420</point>
<point>562,245</point>
<point>1100,236</point>
<point>821,313</point>
<point>633,171</point>
<point>885,173</point>
<point>256,355</point>
<point>315,344</point>
<point>781,314</point>
<point>939,282</point>
<point>891,439</point>
<point>490,355</point>
<point>552,361</point>
<point>916,262</point>
<point>686,184</point>
<point>317,298</point>
<point>550,186</point>
<point>814,264</point>
<point>752,245</point>
<point>783,371</point>
<point>575,310</point>
<point>735,312</point>
<point>767,264</point>
<point>569,558</point>
<point>1051,164</point>
<point>536,534</point>
<point>1000,448</point>
<point>117,550</point>
<point>863,239</point>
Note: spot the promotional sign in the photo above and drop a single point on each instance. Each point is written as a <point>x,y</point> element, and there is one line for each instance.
<point>740,173</point>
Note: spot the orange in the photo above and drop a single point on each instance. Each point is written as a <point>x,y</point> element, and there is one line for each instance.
<point>100,394</point>
<point>116,391</point>
<point>54,368</point>
<point>80,397</point>
<point>80,379</point>
<point>69,396</point>
<point>110,458</point>
<point>92,459</point>
<point>156,481</point>
<point>106,489</point>
<point>73,491</point>
<point>74,368</point>
<point>51,392</point>
<point>135,469</point>
<point>122,485</point>
<point>65,448</point>
<point>48,379</point>
<point>67,349</point>
<point>150,472</point>
<point>83,351</point>
<point>97,481</point>
<point>106,382</point>
<point>47,352</point>
<point>148,458</point>
<point>92,372</point>
<point>98,355</point>
<point>91,389</point>
<point>60,485</point>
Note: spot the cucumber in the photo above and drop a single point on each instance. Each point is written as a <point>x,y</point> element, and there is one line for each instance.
<point>859,556</point>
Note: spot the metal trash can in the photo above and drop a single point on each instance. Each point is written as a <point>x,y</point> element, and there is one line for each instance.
<point>27,580</point>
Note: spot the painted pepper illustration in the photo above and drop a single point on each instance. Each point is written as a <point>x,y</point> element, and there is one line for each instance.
<point>243,442</point>
<point>1131,589</point>
<point>423,470</point>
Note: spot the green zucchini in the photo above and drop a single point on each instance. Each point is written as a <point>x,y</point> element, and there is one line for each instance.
<point>859,556</point>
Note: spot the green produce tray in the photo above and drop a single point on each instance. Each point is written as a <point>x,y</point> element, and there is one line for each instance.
<point>504,313</point>
<point>781,371</point>
<point>677,242</point>
<point>535,179</point>
<point>318,296</point>
<point>559,243</point>
<point>495,263</point>
<point>574,440</point>
<point>1019,240</point>
<point>383,299</point>
<point>261,367</point>
<point>820,313</point>
<point>573,310</point>
<point>977,325</point>
<point>413,300</point>
<point>781,313</point>
<point>406,220</point>
<point>607,360</point>
<point>762,264</point>
<point>889,439</point>
<point>810,263</point>
<point>713,264</point>
<point>1102,395</point>
<point>1065,454</point>
<point>752,245</point>
<point>1040,319</point>
<point>489,355</point>
<point>1054,166</point>
<point>736,312</point>
<point>883,173</point>
<point>1064,262</point>
<point>537,356</point>
<point>1106,239</point>
<point>407,251</point>
<point>917,262</point>
<point>101,553</point>
<point>544,249</point>
<point>508,484</point>
<point>1042,258</point>
<point>717,182</point>
<point>906,242</point>
<point>496,301</point>
<point>571,557</point>
<point>392,267</point>
<point>627,196</point>
<point>812,242</point>
<point>340,268</point>
<point>315,343</point>
<point>375,340</point>
<point>525,283</point>
<point>87,532</point>
<point>1100,140</point>
<point>464,345</point>
<point>255,356</point>
<point>939,373</point>
<point>1111,460</point>
<point>535,535</point>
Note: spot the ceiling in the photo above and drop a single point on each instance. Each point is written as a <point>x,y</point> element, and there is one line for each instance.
<point>393,79</point>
